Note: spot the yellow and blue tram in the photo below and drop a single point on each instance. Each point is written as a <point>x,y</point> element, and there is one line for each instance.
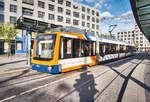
<point>57,52</point>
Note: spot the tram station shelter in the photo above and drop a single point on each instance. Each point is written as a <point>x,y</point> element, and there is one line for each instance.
<point>141,11</point>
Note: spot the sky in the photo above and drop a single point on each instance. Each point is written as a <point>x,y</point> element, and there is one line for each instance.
<point>113,12</point>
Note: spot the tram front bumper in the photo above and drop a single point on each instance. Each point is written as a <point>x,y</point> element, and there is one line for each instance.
<point>54,69</point>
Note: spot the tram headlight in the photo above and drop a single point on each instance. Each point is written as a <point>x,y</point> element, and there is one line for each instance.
<point>49,68</point>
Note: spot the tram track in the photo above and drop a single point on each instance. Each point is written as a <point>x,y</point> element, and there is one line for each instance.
<point>132,68</point>
<point>65,75</point>
<point>41,75</point>
<point>98,76</point>
<point>45,75</point>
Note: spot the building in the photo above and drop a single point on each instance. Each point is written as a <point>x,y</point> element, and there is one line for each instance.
<point>144,44</point>
<point>135,36</point>
<point>58,12</point>
<point>127,36</point>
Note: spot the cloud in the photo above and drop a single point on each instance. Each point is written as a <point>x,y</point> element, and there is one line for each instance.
<point>108,6</point>
<point>91,1</point>
<point>127,14</point>
<point>106,15</point>
<point>125,17</point>
<point>125,20</point>
<point>98,6</point>
<point>99,3</point>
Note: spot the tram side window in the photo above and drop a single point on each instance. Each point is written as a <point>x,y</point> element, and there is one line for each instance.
<point>85,50</point>
<point>101,49</point>
<point>106,49</point>
<point>88,48</point>
<point>67,46</point>
<point>93,48</point>
<point>76,48</point>
<point>121,49</point>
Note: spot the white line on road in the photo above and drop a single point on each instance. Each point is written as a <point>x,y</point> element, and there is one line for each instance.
<point>14,96</point>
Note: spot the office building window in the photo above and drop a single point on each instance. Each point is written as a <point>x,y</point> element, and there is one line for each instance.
<point>97,27</point>
<point>60,19</point>
<point>27,12</point>
<point>88,18</point>
<point>83,24</point>
<point>41,14</point>
<point>97,20</point>
<point>13,8</point>
<point>41,4</point>
<point>51,17</point>
<point>68,21</point>
<point>76,14</point>
<point>97,13</point>
<point>88,10</point>
<point>88,25</point>
<point>93,32</point>
<point>93,12</point>
<point>1,18</point>
<point>30,2</point>
<point>52,0</point>
<point>68,3</point>
<point>75,22</point>
<point>93,26</point>
<point>83,9</point>
<point>14,0</point>
<point>60,1</point>
<point>13,19</point>
<point>60,10</point>
<point>83,16</point>
<point>51,7</point>
<point>68,12</point>
<point>1,6</point>
<point>93,19</point>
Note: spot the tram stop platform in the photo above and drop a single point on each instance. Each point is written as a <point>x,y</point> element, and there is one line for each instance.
<point>13,64</point>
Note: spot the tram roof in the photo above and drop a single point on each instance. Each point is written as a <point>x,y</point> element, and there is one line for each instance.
<point>91,36</point>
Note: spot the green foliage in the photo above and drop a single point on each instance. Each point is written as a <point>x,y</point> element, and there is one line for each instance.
<point>105,35</point>
<point>117,38</point>
<point>8,33</point>
<point>136,44</point>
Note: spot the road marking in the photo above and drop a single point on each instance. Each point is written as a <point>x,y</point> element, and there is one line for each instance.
<point>22,93</point>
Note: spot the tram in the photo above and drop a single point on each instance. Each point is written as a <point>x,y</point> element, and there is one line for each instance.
<point>71,49</point>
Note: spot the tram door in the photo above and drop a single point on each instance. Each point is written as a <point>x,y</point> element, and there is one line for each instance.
<point>101,49</point>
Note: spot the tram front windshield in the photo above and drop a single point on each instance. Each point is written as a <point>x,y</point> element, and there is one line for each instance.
<point>44,48</point>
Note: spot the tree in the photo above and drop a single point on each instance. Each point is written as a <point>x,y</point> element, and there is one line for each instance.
<point>8,33</point>
<point>136,44</point>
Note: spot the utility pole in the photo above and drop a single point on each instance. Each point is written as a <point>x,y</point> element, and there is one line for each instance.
<point>111,28</point>
<point>29,47</point>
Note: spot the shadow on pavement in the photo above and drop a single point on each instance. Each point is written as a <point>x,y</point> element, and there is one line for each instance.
<point>147,77</point>
<point>14,90</point>
<point>12,62</point>
<point>14,77</point>
<point>87,91</point>
<point>124,85</point>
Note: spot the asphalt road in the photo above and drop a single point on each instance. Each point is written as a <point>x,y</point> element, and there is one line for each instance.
<point>126,80</point>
